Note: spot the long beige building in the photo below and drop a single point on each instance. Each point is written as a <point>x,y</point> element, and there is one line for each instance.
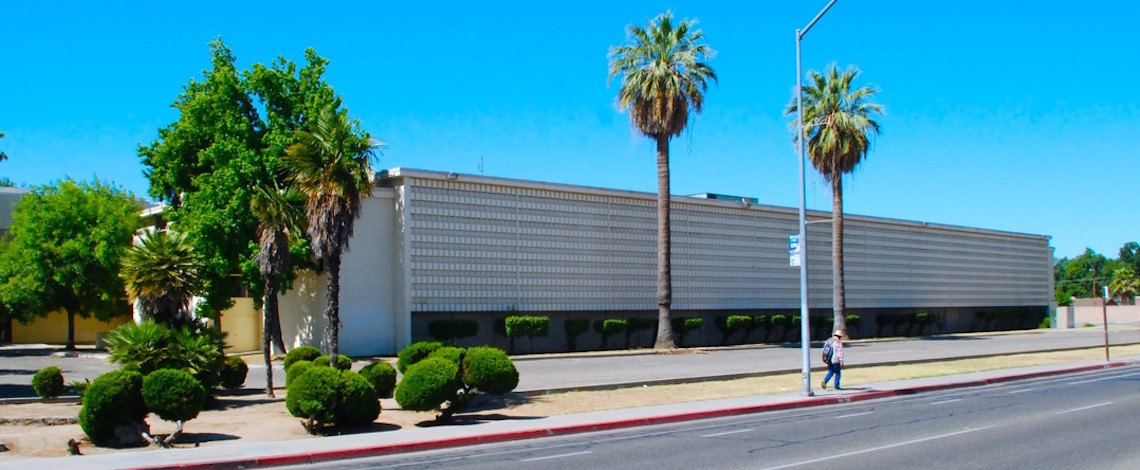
<point>436,245</point>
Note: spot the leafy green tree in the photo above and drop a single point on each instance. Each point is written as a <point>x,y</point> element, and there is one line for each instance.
<point>280,218</point>
<point>839,121</point>
<point>63,252</point>
<point>1082,276</point>
<point>664,75</point>
<point>331,164</point>
<point>1125,284</point>
<point>161,274</point>
<point>1130,255</point>
<point>207,164</point>
<point>4,182</point>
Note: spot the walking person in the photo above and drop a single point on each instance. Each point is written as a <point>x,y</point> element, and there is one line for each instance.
<point>833,357</point>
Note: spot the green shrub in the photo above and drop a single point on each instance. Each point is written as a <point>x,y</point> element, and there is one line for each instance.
<point>382,376</point>
<point>414,353</point>
<point>313,396</point>
<point>427,384</point>
<point>853,321</point>
<point>449,329</point>
<point>357,402</point>
<point>301,353</point>
<point>685,325</point>
<point>778,320</point>
<point>113,399</point>
<point>296,370</point>
<point>173,395</point>
<point>450,353</point>
<point>342,362</point>
<point>614,326</point>
<point>761,321</point>
<point>234,372</point>
<point>529,326</point>
<point>574,327</point>
<point>150,346</point>
<point>1046,323</point>
<point>924,318</point>
<point>739,323</point>
<point>48,382</point>
<point>489,370</point>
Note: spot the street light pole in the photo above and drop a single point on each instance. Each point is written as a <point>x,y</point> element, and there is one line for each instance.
<point>805,329</point>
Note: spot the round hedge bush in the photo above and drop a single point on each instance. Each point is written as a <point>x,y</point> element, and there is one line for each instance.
<point>450,353</point>
<point>427,384</point>
<point>489,370</point>
<point>313,394</point>
<point>358,403</point>
<point>114,398</point>
<point>382,376</point>
<point>296,370</point>
<point>173,395</point>
<point>342,362</point>
<point>414,353</point>
<point>301,353</point>
<point>48,382</point>
<point>234,372</point>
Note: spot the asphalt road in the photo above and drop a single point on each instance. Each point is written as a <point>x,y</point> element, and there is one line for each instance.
<point>1062,422</point>
<point>583,371</point>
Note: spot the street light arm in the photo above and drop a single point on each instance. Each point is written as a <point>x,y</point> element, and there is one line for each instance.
<point>804,31</point>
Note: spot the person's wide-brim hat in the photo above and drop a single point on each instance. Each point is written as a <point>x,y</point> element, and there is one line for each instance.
<point>838,333</point>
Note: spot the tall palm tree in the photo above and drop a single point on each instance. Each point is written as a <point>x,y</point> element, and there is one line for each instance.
<point>664,76</point>
<point>331,165</point>
<point>840,121</point>
<point>279,218</point>
<point>161,274</point>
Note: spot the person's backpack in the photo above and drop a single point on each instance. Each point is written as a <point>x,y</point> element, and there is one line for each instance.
<point>828,350</point>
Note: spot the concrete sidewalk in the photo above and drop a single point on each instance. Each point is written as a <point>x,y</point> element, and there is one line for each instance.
<point>361,445</point>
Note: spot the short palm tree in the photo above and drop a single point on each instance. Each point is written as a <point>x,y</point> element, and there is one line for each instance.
<point>331,164</point>
<point>840,121</point>
<point>280,218</point>
<point>664,76</point>
<point>161,274</point>
<point>1125,283</point>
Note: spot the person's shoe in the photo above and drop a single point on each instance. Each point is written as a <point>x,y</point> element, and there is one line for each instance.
<point>837,388</point>
<point>823,385</point>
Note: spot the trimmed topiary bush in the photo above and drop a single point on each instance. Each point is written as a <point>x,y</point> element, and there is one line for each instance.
<point>449,329</point>
<point>173,395</point>
<point>414,353</point>
<point>427,384</point>
<point>489,370</point>
<point>48,382</point>
<point>234,372</point>
<point>113,399</point>
<point>357,403</point>
<point>296,370</point>
<point>450,353</point>
<point>301,353</point>
<point>382,376</point>
<point>342,362</point>
<point>313,396</point>
<point>685,325</point>
<point>573,328</point>
<point>529,326</point>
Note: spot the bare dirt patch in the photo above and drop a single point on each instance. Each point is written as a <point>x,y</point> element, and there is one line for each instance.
<point>256,418</point>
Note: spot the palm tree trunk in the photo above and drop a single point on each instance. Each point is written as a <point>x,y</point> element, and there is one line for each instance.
<point>837,289</point>
<point>270,306</point>
<point>332,311</point>
<point>664,258</point>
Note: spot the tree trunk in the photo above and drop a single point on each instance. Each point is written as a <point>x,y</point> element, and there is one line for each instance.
<point>664,258</point>
<point>837,289</point>
<point>332,312</point>
<point>268,307</point>
<point>70,330</point>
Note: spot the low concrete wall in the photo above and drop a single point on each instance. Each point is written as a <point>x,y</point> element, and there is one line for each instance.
<point>52,329</point>
<point>1095,315</point>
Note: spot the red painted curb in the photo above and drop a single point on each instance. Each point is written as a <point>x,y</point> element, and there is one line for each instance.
<point>342,454</point>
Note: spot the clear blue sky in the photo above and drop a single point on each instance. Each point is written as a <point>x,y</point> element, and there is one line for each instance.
<point>1008,115</point>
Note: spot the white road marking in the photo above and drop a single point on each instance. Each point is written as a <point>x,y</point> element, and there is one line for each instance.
<point>853,415</point>
<point>727,433</point>
<point>548,457</point>
<point>876,449</point>
<point>952,400</point>
<point>1098,405</point>
<point>1102,378</point>
<point>1021,391</point>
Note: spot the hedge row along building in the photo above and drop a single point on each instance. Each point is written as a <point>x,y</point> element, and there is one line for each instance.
<point>434,245</point>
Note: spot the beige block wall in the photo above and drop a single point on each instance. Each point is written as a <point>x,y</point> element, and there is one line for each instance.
<point>52,329</point>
